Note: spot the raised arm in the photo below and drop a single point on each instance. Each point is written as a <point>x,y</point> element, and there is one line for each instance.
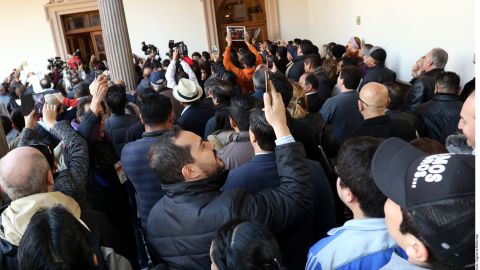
<point>170,73</point>
<point>227,60</point>
<point>73,180</point>
<point>280,207</point>
<point>258,57</point>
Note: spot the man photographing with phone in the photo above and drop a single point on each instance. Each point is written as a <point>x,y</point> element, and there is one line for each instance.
<point>249,61</point>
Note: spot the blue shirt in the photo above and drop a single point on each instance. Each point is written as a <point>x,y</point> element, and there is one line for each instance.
<point>358,244</point>
<point>136,166</point>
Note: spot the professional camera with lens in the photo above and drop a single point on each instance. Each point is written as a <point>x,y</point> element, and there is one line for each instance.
<point>182,48</point>
<point>56,62</point>
<point>148,49</point>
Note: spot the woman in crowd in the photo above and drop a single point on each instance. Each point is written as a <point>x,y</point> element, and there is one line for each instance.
<point>245,245</point>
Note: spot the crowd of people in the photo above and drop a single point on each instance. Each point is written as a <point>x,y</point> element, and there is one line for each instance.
<point>270,155</point>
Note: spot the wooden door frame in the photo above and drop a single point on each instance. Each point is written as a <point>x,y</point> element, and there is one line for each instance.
<point>55,9</point>
<point>271,11</point>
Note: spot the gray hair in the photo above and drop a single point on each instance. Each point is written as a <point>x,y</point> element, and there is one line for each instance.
<point>439,57</point>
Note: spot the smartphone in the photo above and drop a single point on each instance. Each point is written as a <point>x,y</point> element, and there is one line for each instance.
<point>98,73</point>
<point>34,101</point>
<point>257,32</point>
<point>214,49</point>
<point>270,61</point>
<point>267,77</point>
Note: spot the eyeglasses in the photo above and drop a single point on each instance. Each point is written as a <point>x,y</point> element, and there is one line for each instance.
<point>364,103</point>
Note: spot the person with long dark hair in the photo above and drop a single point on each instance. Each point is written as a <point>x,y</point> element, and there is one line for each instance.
<point>245,245</point>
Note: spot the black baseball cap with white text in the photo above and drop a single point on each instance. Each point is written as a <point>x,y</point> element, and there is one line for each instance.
<point>437,190</point>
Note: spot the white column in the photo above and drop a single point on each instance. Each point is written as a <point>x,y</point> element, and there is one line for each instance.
<point>117,41</point>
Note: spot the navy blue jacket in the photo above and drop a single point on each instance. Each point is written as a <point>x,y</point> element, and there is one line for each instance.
<point>261,173</point>
<point>379,74</point>
<point>341,112</point>
<point>195,118</point>
<point>116,127</point>
<point>136,166</point>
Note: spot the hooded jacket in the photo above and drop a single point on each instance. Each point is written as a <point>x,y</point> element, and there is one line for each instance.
<point>15,218</point>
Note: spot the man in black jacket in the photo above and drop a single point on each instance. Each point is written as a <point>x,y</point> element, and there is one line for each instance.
<point>377,71</point>
<point>372,104</point>
<point>423,87</point>
<point>117,125</point>
<point>441,114</point>
<point>183,223</point>
<point>297,69</point>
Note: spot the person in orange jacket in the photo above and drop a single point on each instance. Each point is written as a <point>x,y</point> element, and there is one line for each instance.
<point>249,61</point>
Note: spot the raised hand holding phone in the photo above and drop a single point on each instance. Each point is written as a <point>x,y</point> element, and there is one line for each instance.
<point>275,110</point>
<point>49,113</point>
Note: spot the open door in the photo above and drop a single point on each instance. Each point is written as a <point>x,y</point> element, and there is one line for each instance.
<point>248,13</point>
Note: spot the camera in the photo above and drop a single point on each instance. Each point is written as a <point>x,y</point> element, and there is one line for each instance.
<point>182,48</point>
<point>148,49</point>
<point>56,62</point>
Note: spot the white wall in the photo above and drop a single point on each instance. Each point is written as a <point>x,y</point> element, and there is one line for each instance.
<point>158,21</point>
<point>294,19</point>
<point>26,36</point>
<point>406,29</point>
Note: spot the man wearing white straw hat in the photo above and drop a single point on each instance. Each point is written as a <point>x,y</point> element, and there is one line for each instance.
<point>196,113</point>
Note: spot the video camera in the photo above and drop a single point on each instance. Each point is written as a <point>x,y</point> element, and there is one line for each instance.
<point>182,48</point>
<point>148,49</point>
<point>56,62</point>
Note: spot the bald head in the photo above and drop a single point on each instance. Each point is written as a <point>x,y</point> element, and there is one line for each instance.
<point>373,99</point>
<point>24,171</point>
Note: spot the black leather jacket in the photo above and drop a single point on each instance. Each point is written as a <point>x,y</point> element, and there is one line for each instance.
<point>422,89</point>
<point>182,225</point>
<point>440,116</point>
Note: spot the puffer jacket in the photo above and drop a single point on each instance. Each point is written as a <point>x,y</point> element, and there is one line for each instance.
<point>422,89</point>
<point>440,116</point>
<point>182,225</point>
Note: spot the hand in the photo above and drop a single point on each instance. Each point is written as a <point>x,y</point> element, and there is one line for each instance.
<point>275,111</point>
<point>175,55</point>
<point>254,41</point>
<point>289,56</point>
<point>98,96</point>
<point>246,37</point>
<point>101,81</point>
<point>228,39</point>
<point>31,120</point>
<point>49,114</point>
<point>60,97</point>
<point>216,56</point>
<point>274,67</point>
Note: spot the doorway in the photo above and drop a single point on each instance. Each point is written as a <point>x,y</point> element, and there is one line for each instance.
<point>249,13</point>
<point>83,32</point>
